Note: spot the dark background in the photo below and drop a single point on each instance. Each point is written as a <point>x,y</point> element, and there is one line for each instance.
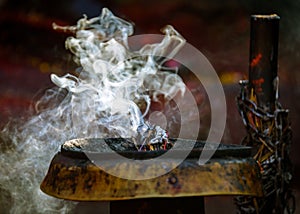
<point>30,50</point>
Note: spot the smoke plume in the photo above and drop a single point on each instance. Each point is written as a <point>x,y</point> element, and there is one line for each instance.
<point>110,97</point>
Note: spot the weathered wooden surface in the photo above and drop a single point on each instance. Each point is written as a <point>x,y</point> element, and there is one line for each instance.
<point>75,177</point>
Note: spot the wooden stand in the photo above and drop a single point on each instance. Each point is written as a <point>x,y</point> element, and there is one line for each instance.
<point>231,171</point>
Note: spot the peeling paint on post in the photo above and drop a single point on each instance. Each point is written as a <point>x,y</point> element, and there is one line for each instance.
<point>263,61</point>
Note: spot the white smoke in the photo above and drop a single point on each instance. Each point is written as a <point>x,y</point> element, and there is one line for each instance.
<point>101,101</point>
<point>114,78</point>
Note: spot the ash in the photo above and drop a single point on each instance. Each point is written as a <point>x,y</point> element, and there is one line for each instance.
<point>151,137</point>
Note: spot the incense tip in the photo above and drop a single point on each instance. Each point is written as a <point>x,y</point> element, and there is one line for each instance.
<point>265,17</point>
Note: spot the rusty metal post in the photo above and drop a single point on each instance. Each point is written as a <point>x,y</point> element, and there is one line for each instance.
<point>267,123</point>
<point>263,59</point>
<point>263,67</point>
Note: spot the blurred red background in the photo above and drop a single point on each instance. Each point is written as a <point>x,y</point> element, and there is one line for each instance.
<point>30,50</point>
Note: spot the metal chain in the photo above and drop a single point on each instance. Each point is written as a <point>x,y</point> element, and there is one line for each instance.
<point>269,133</point>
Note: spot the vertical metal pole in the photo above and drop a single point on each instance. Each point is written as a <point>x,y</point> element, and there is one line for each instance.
<point>268,126</point>
<point>263,66</point>
<point>264,59</point>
